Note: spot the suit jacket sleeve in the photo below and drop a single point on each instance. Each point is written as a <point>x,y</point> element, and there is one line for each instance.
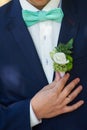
<point>15,116</point>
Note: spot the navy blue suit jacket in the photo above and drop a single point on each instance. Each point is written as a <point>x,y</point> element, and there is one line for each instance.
<point>21,73</point>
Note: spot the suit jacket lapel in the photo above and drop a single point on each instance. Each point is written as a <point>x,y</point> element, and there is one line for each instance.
<point>20,33</point>
<point>70,22</point>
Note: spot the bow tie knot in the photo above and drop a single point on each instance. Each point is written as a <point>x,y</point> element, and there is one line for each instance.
<point>32,18</point>
<point>40,14</point>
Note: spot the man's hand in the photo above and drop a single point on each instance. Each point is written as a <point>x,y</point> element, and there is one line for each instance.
<point>54,98</point>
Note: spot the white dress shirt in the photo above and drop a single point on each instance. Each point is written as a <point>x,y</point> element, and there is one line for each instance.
<point>45,36</point>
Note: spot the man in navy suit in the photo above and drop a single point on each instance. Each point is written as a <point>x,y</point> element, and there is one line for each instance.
<point>29,97</point>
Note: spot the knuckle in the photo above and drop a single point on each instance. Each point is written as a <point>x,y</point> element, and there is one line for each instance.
<point>72,85</point>
<point>75,81</point>
<point>64,110</point>
<point>72,97</point>
<point>66,91</point>
<point>69,97</point>
<point>63,81</point>
<point>75,107</point>
<point>75,94</point>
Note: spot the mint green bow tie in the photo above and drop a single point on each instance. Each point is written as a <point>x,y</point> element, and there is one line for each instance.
<point>32,18</point>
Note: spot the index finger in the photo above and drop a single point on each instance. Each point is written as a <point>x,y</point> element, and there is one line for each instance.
<point>61,83</point>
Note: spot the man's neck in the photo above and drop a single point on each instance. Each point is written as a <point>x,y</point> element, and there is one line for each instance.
<point>3,2</point>
<point>41,7</point>
<point>38,7</point>
<point>51,5</point>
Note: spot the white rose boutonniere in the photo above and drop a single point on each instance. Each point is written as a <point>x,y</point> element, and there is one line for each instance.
<point>61,56</point>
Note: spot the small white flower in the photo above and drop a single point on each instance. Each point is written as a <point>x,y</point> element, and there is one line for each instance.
<point>60,58</point>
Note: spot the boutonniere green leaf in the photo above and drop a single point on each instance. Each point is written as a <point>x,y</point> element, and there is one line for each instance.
<point>61,56</point>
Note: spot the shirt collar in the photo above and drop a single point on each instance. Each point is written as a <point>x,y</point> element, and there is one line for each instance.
<point>51,5</point>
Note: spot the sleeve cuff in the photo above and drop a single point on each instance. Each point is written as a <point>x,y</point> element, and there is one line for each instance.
<point>33,119</point>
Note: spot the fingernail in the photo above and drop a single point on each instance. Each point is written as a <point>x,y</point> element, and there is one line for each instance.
<point>82,102</point>
<point>78,79</point>
<point>67,74</point>
<point>81,87</point>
